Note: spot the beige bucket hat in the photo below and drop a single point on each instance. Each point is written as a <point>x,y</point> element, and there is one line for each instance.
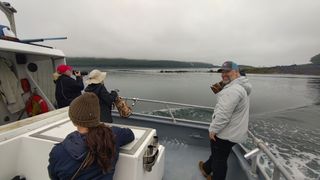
<point>96,77</point>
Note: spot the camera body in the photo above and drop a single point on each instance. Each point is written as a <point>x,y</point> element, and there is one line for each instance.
<point>83,73</point>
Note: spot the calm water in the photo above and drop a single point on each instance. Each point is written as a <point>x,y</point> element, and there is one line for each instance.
<point>270,93</point>
<point>285,109</point>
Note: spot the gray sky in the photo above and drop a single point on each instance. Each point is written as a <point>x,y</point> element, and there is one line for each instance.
<point>252,32</point>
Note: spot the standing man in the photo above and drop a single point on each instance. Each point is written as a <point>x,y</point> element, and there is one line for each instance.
<point>229,121</point>
<point>67,88</point>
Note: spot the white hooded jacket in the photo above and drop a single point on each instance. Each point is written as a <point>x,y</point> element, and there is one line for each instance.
<point>10,89</point>
<point>231,114</point>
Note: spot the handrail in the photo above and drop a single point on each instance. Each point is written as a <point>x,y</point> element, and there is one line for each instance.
<point>261,145</point>
<point>167,103</point>
<point>277,165</point>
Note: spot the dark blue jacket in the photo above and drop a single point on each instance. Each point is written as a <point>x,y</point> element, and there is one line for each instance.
<point>67,89</point>
<point>67,156</point>
<point>106,100</point>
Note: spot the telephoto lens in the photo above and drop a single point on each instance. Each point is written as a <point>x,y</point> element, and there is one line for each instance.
<point>83,73</point>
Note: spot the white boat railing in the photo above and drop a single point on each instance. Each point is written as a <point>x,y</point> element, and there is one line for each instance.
<point>261,146</point>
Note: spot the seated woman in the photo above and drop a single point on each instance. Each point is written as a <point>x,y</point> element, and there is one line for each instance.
<point>106,99</point>
<point>92,151</point>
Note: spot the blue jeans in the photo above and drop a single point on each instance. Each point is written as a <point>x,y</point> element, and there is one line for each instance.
<point>217,162</point>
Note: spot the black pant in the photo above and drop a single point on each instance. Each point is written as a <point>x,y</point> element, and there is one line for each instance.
<point>217,162</point>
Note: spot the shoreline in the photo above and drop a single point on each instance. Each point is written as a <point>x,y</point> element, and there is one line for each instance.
<point>186,70</point>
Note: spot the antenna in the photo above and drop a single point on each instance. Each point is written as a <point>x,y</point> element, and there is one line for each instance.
<point>42,39</point>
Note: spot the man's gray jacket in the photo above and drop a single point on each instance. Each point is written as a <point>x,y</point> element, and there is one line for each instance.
<point>231,113</point>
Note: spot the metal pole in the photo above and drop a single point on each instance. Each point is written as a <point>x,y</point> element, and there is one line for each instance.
<point>254,160</point>
<point>171,114</point>
<point>265,149</point>
<point>172,103</point>
<point>276,174</point>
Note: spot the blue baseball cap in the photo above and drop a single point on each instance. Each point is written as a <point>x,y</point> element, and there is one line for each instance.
<point>228,66</point>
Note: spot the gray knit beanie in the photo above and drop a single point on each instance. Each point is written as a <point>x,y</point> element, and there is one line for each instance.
<point>84,111</point>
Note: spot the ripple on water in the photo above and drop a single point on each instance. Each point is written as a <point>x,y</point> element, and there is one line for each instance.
<point>294,142</point>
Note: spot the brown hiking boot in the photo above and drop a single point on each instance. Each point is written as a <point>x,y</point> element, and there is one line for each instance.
<point>203,172</point>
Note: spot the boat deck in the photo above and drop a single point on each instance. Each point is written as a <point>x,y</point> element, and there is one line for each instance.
<point>182,156</point>
<point>182,162</point>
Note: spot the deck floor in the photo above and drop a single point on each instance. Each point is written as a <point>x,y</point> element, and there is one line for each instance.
<point>182,162</point>
<point>182,158</point>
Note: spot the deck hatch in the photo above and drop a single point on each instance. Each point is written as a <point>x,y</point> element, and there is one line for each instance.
<point>58,132</point>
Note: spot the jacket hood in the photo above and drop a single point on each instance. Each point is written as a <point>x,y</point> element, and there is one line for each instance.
<point>75,145</point>
<point>242,81</point>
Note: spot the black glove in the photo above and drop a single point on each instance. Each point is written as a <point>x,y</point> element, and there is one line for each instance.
<point>114,93</point>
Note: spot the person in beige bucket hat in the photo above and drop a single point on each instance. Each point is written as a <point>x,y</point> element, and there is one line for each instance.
<point>96,85</point>
<point>92,151</point>
<point>96,77</point>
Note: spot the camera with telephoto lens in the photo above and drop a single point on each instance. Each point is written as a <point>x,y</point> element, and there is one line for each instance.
<point>83,73</point>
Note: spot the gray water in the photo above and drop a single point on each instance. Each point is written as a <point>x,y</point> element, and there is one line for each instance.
<point>270,92</point>
<point>285,109</point>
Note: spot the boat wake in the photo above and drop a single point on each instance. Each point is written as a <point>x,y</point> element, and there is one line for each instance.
<point>293,136</point>
<point>196,114</point>
<point>297,145</point>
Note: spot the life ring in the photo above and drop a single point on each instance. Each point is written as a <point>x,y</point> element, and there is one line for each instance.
<point>36,105</point>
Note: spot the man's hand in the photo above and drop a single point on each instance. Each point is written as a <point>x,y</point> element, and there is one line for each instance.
<point>212,135</point>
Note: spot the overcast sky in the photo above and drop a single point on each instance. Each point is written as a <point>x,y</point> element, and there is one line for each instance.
<point>252,32</point>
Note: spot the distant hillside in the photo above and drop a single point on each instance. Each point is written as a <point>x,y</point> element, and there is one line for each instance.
<point>133,63</point>
<point>308,69</point>
<point>122,63</point>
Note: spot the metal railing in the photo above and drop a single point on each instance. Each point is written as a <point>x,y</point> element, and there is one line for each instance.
<point>261,146</point>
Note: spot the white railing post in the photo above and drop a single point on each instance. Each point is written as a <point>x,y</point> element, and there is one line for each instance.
<point>253,156</point>
<point>171,114</point>
<point>254,161</point>
<point>135,100</point>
